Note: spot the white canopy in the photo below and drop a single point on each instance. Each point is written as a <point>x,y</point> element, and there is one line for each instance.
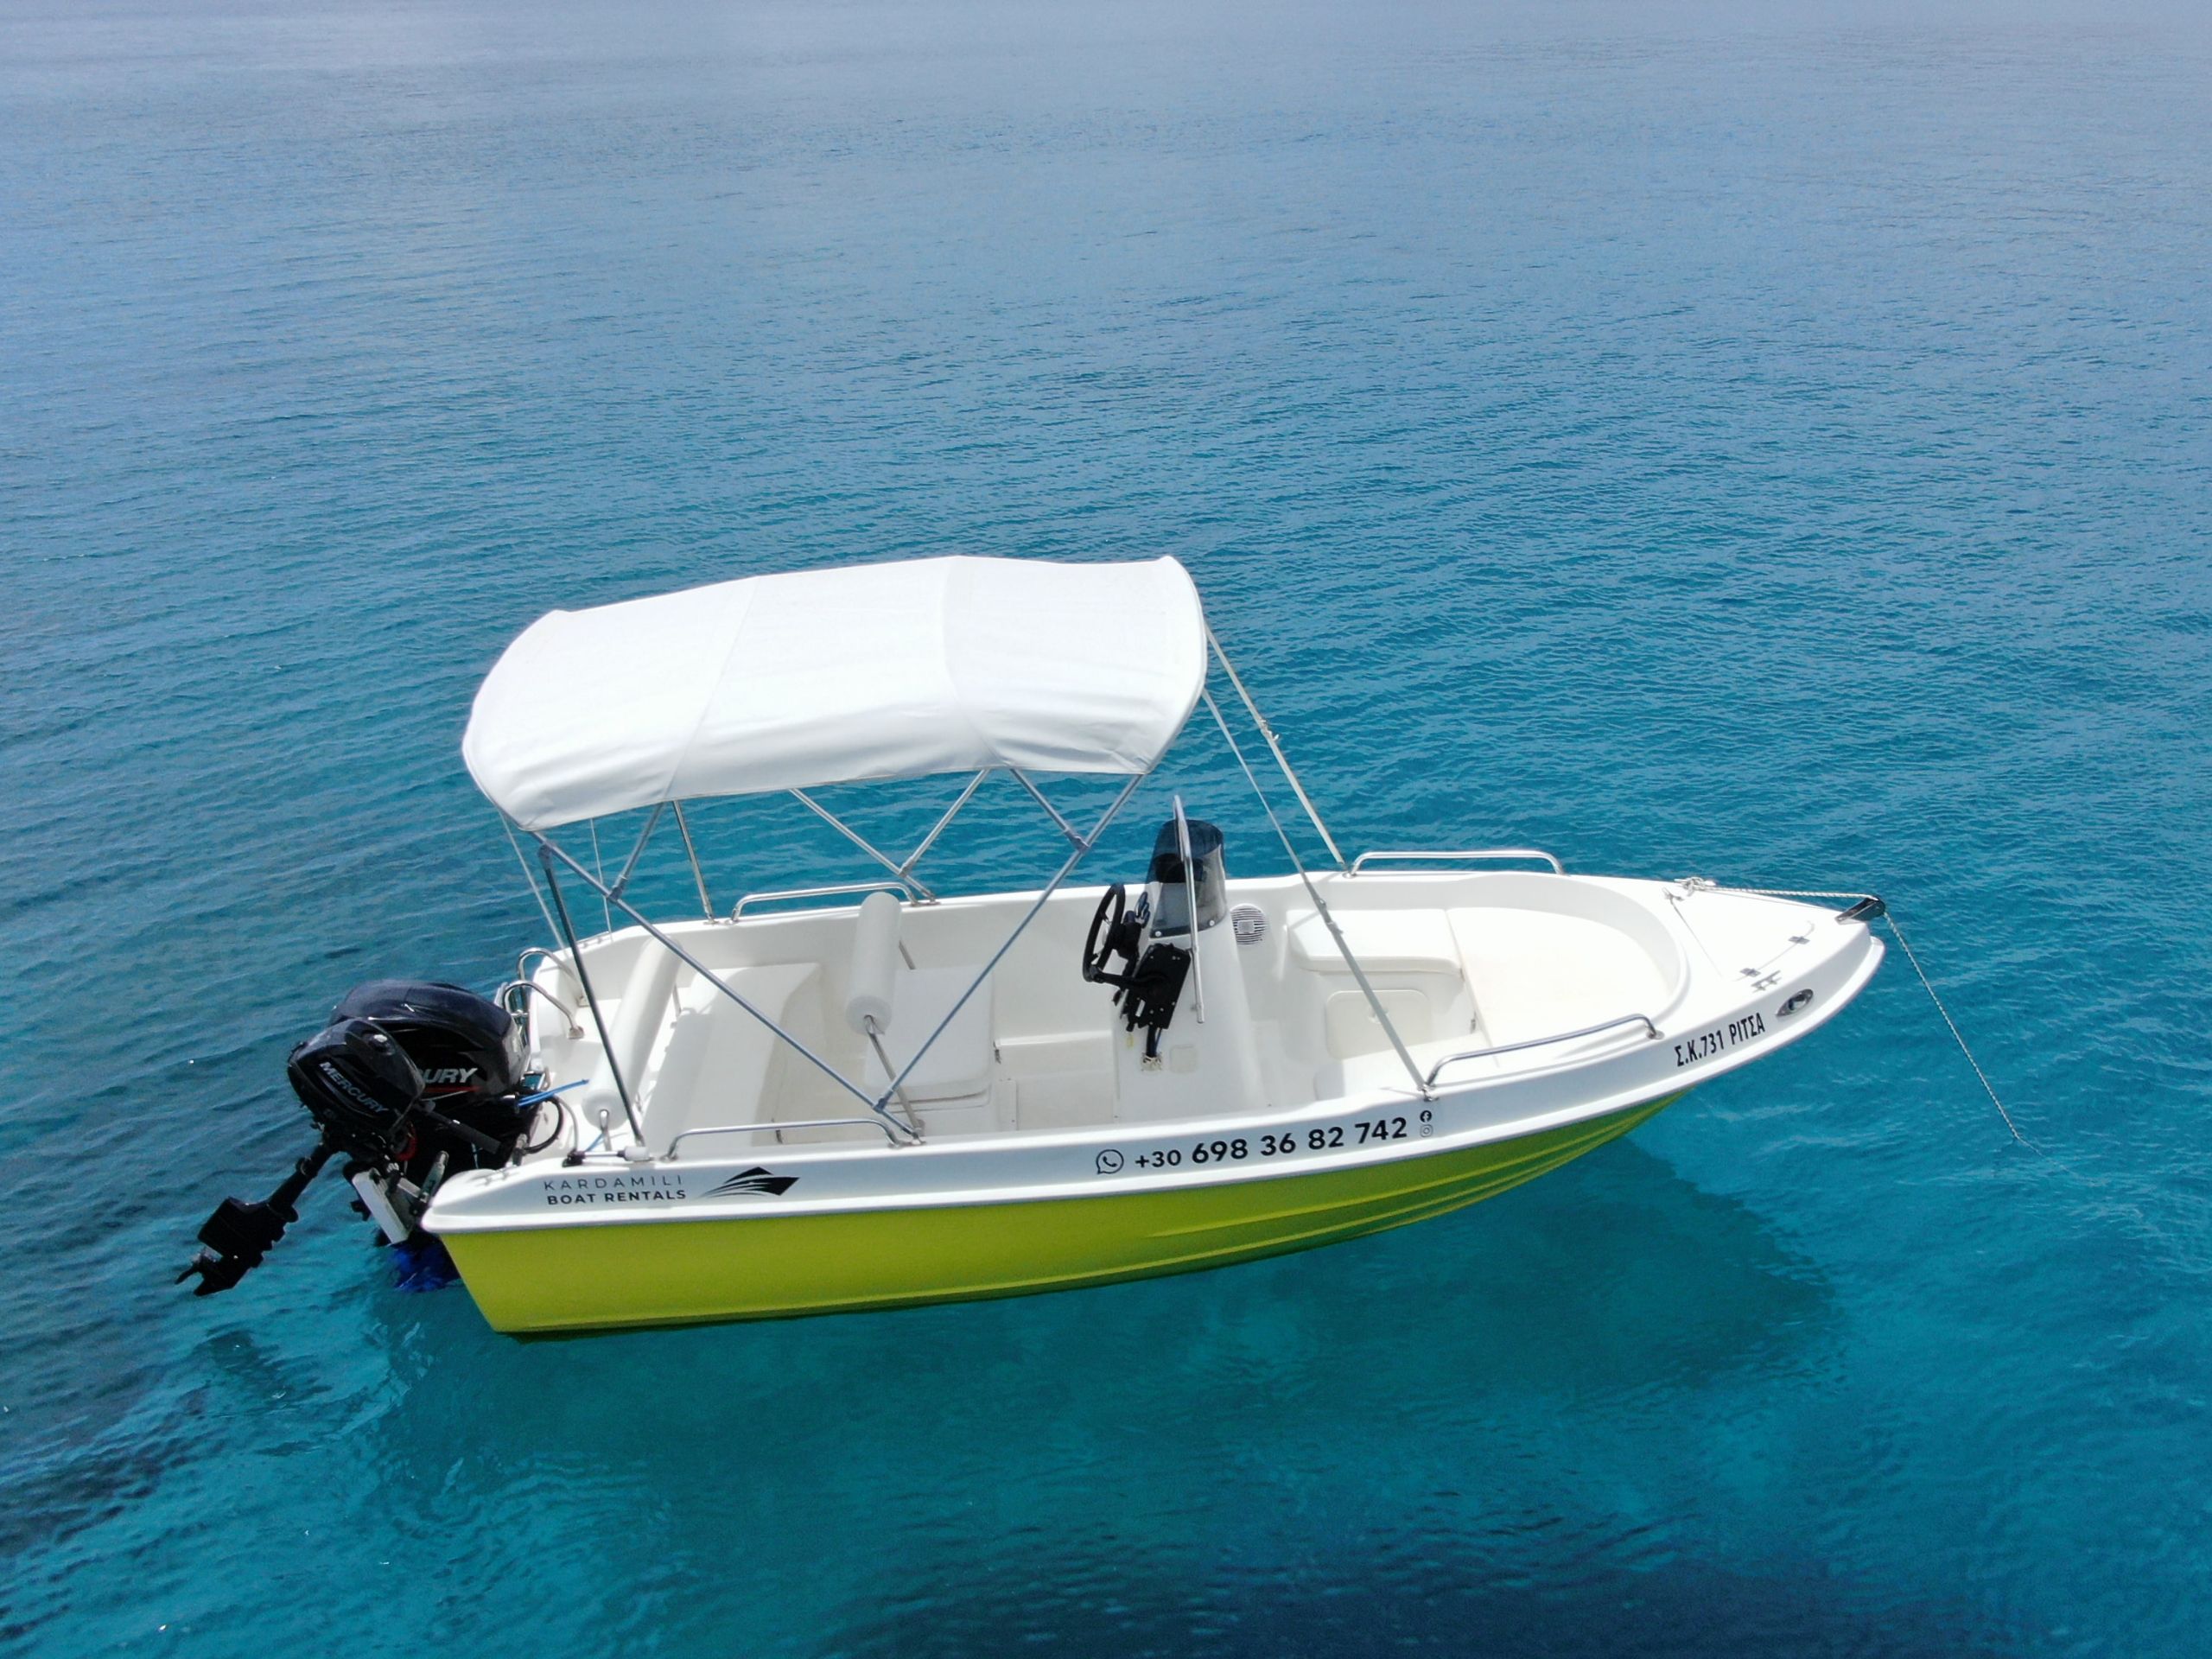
<point>823,676</point>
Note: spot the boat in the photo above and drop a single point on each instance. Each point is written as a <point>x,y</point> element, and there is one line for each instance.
<point>877,1093</point>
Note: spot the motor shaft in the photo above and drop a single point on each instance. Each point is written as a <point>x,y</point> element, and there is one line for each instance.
<point>236,1237</point>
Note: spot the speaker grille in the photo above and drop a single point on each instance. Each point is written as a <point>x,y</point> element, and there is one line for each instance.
<point>1248,923</point>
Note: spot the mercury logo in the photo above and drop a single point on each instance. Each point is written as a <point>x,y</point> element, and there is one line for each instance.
<point>346,1086</point>
<point>450,1074</point>
<point>755,1179</point>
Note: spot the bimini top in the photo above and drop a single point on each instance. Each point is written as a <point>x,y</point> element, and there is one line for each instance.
<point>824,677</point>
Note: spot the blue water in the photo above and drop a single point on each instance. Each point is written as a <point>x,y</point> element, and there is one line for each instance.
<point>1758,441</point>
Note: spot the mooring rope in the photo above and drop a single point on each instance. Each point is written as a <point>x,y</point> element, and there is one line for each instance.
<point>507,824</point>
<point>1889,915</point>
<point>599,868</point>
<point>1913,957</point>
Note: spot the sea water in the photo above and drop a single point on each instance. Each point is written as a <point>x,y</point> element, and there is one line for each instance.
<point>1767,443</point>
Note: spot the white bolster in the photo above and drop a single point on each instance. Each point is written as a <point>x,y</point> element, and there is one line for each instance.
<point>876,960</point>
<point>637,1026</point>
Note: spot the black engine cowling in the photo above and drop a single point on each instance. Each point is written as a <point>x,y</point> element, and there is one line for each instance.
<point>468,1049</point>
<point>360,1087</point>
<point>411,1080</point>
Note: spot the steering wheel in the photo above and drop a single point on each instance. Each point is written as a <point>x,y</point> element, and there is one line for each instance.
<point>1114,903</point>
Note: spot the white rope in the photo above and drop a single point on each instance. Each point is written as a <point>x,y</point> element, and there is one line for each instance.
<point>1889,915</point>
<point>599,868</point>
<point>1956,1037</point>
<point>1697,881</point>
<point>1320,908</point>
<point>551,931</point>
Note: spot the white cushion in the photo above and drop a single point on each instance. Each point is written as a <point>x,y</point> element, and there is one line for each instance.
<point>713,1069</point>
<point>957,1065</point>
<point>1384,941</point>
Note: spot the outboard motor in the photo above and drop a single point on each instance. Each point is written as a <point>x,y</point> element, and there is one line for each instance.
<point>409,1081</point>
<point>468,1048</point>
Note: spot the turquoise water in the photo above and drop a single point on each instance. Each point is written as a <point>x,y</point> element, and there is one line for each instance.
<point>1703,439</point>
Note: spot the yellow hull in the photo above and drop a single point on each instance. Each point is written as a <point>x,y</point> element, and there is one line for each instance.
<point>587,1278</point>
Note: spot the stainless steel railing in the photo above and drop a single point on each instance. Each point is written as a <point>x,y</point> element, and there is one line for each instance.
<point>891,1133</point>
<point>522,961</point>
<point>1552,859</point>
<point>1651,1030</point>
<point>506,997</point>
<point>888,883</point>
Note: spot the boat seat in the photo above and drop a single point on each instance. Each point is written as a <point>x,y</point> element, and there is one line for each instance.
<point>1384,941</point>
<point>633,1028</point>
<point>715,1066</point>
<point>899,1008</point>
<point>957,1068</point>
<point>1412,960</point>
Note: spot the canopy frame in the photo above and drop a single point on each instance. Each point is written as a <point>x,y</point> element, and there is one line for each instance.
<point>904,872</point>
<point>879,1106</point>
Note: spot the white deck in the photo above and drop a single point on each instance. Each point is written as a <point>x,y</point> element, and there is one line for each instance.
<point>1459,960</point>
<point>1042,1095</point>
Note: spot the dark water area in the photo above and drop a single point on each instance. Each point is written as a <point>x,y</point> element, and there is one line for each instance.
<point>1767,443</point>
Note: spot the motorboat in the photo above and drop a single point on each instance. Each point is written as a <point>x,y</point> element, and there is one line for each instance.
<point>877,1093</point>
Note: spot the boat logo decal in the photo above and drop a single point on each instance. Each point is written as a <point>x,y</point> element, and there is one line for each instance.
<point>1795,1002</point>
<point>1109,1161</point>
<point>598,1189</point>
<point>755,1179</point>
<point>1706,1044</point>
